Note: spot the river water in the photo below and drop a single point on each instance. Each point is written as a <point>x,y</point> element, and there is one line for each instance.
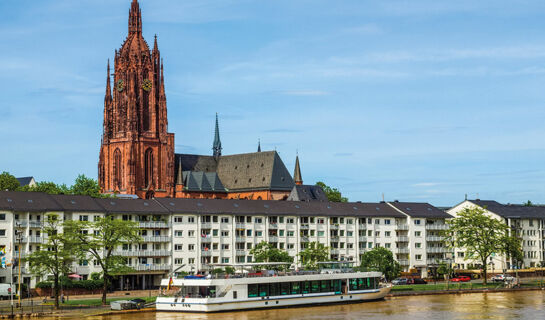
<point>501,305</point>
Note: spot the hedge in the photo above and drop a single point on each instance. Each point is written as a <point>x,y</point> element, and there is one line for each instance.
<point>69,284</point>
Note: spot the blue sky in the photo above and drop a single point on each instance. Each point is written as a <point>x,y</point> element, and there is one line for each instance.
<point>419,100</point>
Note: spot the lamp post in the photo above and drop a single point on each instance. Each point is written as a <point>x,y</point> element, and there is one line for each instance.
<point>19,238</point>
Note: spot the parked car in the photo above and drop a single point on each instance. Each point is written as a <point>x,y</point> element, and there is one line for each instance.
<point>502,278</point>
<point>5,291</point>
<point>402,281</point>
<point>461,279</point>
<point>399,281</point>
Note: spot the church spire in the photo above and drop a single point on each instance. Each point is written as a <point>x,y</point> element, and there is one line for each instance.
<point>179,178</point>
<point>108,96</point>
<point>135,18</point>
<point>297,173</point>
<point>258,145</point>
<point>216,147</point>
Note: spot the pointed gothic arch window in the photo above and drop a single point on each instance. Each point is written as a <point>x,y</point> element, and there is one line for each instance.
<point>117,169</point>
<point>148,167</point>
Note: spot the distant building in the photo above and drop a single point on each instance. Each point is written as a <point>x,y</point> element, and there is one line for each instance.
<point>27,181</point>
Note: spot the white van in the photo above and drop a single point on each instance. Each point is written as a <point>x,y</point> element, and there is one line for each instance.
<point>5,291</point>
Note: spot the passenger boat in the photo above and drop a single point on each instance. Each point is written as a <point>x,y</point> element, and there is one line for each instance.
<point>334,282</point>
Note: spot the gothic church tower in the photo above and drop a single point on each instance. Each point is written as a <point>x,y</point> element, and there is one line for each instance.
<point>137,152</point>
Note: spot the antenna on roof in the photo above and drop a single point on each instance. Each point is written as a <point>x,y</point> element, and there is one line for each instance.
<point>466,197</point>
<point>383,197</point>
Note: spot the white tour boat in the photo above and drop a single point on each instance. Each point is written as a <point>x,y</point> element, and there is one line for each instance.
<point>334,282</point>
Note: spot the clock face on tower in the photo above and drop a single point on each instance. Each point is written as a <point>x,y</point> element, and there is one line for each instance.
<point>147,85</point>
<point>119,85</point>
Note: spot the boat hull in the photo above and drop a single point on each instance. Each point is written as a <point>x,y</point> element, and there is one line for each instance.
<point>209,305</point>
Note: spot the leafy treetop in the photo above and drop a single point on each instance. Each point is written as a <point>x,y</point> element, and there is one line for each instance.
<point>333,194</point>
<point>8,182</point>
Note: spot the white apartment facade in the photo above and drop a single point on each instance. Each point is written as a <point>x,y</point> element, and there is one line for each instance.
<point>189,234</point>
<point>525,222</point>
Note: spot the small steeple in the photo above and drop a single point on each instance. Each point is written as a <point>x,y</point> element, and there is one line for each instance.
<point>297,173</point>
<point>135,18</point>
<point>108,95</point>
<point>216,147</point>
<point>179,178</point>
<point>258,145</point>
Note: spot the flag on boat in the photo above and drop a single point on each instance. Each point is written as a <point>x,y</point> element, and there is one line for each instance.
<point>170,282</point>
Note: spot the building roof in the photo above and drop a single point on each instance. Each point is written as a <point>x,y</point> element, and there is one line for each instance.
<point>297,177</point>
<point>202,181</point>
<point>242,172</point>
<point>77,203</point>
<point>307,192</point>
<point>149,206</point>
<point>511,210</point>
<point>25,181</point>
<point>28,201</point>
<point>420,210</point>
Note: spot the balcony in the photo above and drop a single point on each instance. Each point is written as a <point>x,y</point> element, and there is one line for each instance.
<point>435,261</point>
<point>240,239</point>
<point>402,239</point>
<point>305,227</point>
<point>437,250</point>
<point>362,238</point>
<point>362,227</point>
<point>206,253</point>
<point>240,252</point>
<point>206,225</point>
<point>206,239</point>
<point>152,267</point>
<point>436,226</point>
<point>402,227</point>
<point>273,225</point>
<point>273,238</point>
<point>435,238</point>
<point>156,239</point>
<point>240,225</point>
<point>304,239</point>
<point>334,226</point>
<point>154,224</point>
<point>143,253</point>
<point>35,224</point>
<point>334,251</point>
<point>21,223</point>
<point>402,250</point>
<point>35,239</point>
<point>403,262</point>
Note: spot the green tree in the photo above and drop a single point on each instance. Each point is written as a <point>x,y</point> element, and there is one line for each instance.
<point>47,187</point>
<point>314,253</point>
<point>480,235</point>
<point>85,186</point>
<point>266,252</point>
<point>381,259</point>
<point>99,239</point>
<point>528,204</point>
<point>444,269</point>
<point>8,182</point>
<point>55,255</point>
<point>333,194</point>
<point>513,250</point>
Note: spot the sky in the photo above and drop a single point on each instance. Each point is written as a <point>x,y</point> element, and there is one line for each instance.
<point>420,100</point>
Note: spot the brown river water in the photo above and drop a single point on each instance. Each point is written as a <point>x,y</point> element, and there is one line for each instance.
<point>502,305</point>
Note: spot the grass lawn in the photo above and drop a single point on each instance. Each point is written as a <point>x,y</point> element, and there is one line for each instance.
<point>98,302</point>
<point>454,286</point>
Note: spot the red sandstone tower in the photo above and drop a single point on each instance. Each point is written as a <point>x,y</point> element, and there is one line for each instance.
<point>137,152</point>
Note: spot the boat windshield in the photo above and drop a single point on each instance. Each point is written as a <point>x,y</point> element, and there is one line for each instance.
<point>197,292</point>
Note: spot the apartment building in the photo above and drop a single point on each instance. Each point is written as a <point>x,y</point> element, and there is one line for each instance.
<point>525,222</point>
<point>190,234</point>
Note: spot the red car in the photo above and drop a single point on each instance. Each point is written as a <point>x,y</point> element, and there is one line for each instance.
<point>461,279</point>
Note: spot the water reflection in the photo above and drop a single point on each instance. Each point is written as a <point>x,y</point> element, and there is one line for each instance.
<point>520,305</point>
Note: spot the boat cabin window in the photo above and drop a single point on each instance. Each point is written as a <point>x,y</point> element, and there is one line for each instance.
<point>363,283</point>
<point>297,287</point>
<point>198,291</point>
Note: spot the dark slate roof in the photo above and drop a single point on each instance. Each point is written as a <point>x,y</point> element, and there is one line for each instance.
<point>28,201</point>
<point>132,206</point>
<point>420,210</point>
<point>24,181</point>
<point>272,207</point>
<point>511,210</point>
<point>78,203</point>
<point>242,172</point>
<point>202,181</point>
<point>307,192</point>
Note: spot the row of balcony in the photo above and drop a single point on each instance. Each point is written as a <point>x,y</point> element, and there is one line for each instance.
<point>143,253</point>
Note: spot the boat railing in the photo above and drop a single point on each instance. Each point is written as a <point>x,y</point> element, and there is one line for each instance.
<point>264,274</point>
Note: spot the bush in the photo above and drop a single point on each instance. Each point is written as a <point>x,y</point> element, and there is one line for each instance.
<point>70,284</point>
<point>44,285</point>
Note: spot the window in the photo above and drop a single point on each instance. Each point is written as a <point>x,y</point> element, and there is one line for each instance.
<point>349,221</point>
<point>290,233</point>
<point>369,221</point>
<point>190,219</point>
<point>178,233</point>
<point>418,245</point>
<point>191,233</point>
<point>179,261</point>
<point>224,260</point>
<point>249,245</point>
<point>225,220</point>
<point>369,233</point>
<point>96,218</point>
<point>215,232</point>
<point>290,220</point>
<point>291,246</point>
<point>148,167</point>
<point>83,218</point>
<point>369,245</point>
<point>377,221</point>
<point>225,247</point>
<point>387,245</point>
<point>387,221</point>
<point>234,294</point>
<point>2,232</point>
<point>341,220</point>
<point>2,216</point>
<point>387,233</point>
<point>224,233</point>
<point>321,233</point>
<point>249,232</point>
<point>83,262</point>
<point>418,257</point>
<point>349,233</point>
<point>191,247</point>
<point>178,219</point>
<point>460,254</point>
<point>178,247</point>
<point>417,221</point>
<point>191,260</point>
<point>417,233</point>
<point>258,220</point>
<point>215,219</point>
<point>259,233</point>
<point>321,221</point>
<point>377,233</point>
<point>312,233</point>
